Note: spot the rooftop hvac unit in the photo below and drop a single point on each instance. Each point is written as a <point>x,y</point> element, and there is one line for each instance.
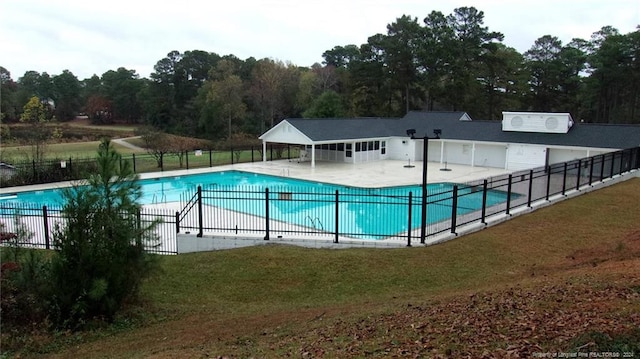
<point>536,122</point>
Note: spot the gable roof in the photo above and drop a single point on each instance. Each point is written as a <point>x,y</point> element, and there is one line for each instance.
<point>456,126</point>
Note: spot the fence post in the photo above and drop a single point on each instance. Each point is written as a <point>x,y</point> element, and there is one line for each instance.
<point>337,217</point>
<point>621,162</point>
<point>177,222</point>
<point>134,162</point>
<point>162,162</point>
<point>288,151</point>
<point>251,153</point>
<point>548,181</point>
<point>186,156</point>
<point>454,209</point>
<point>200,220</point>
<point>45,218</point>
<point>231,152</point>
<point>530,188</point>
<point>613,162</point>
<point>485,184</point>
<point>579,174</point>
<point>33,165</point>
<point>271,152</point>
<point>210,158</point>
<point>139,226</point>
<point>564,179</point>
<point>409,224</point>
<point>591,161</point>
<point>509,194</point>
<point>602,167</point>
<point>266,212</point>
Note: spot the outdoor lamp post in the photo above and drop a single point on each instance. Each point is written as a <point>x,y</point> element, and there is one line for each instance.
<point>412,134</point>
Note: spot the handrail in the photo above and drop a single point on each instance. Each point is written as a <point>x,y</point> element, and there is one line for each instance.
<point>188,206</point>
<point>313,223</point>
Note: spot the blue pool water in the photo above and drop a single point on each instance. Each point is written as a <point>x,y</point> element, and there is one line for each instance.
<point>311,204</point>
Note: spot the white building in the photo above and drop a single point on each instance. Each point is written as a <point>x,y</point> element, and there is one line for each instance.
<point>522,140</point>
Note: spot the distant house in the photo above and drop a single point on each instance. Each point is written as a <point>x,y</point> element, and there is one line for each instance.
<point>521,140</point>
<point>6,171</point>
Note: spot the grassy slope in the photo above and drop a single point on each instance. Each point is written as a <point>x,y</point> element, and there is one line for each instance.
<point>575,261</point>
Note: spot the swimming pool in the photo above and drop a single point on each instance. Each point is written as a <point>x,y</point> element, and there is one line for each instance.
<point>370,213</point>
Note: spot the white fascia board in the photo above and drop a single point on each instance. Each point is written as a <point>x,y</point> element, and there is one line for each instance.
<point>285,132</point>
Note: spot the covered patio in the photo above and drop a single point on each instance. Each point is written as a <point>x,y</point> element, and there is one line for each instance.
<point>331,140</point>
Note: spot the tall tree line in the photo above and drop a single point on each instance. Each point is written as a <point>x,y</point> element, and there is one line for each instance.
<point>439,62</point>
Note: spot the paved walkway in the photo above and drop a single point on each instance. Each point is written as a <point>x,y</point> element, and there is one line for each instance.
<point>123,142</point>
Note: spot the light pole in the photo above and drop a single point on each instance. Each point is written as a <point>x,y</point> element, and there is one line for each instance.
<point>425,156</point>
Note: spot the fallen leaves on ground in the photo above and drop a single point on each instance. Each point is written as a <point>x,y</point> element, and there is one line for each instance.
<point>514,323</point>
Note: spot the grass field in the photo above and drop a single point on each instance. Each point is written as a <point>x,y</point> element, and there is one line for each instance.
<point>565,278</point>
<point>62,150</point>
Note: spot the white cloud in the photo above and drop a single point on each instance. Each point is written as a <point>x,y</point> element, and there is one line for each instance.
<point>87,37</point>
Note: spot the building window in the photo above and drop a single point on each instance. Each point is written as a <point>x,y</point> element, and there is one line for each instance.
<point>341,147</point>
<point>358,146</point>
<point>348,152</point>
<point>383,147</point>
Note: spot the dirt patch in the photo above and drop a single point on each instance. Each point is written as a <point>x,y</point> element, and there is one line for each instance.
<point>627,247</point>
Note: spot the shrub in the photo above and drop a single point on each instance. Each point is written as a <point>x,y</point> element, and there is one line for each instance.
<point>24,280</point>
<point>100,256</point>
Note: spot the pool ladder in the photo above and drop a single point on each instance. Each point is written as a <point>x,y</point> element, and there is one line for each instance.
<point>163,198</point>
<point>315,223</point>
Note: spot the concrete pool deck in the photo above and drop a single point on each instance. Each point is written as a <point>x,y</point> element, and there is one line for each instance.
<point>386,173</point>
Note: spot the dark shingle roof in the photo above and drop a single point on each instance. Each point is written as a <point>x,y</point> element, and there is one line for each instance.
<point>583,135</point>
<point>329,129</point>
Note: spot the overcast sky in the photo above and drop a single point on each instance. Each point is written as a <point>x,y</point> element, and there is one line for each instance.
<point>91,37</point>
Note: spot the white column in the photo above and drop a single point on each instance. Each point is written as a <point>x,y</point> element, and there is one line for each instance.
<point>473,154</point>
<point>264,151</point>
<point>353,152</point>
<point>441,151</point>
<point>313,156</point>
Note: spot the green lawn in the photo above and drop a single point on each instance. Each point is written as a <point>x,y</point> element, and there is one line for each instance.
<point>274,301</point>
<point>144,162</point>
<point>60,150</point>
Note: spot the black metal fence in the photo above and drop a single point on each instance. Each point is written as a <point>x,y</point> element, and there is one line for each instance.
<point>336,213</point>
<point>383,214</point>
<point>66,169</point>
<point>34,226</point>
